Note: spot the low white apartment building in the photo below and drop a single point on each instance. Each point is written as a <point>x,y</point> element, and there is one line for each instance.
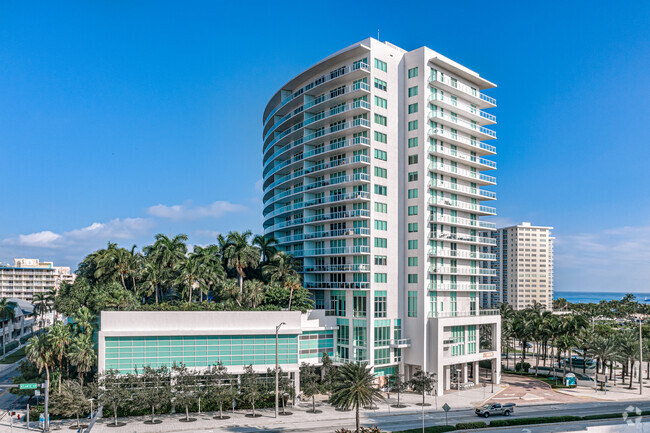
<point>372,178</point>
<point>523,266</point>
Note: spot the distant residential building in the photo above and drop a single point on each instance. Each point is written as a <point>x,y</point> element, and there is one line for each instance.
<point>22,323</point>
<point>27,277</point>
<point>524,266</point>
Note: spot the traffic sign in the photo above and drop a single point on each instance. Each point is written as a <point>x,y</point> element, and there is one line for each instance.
<point>446,407</point>
<point>28,385</point>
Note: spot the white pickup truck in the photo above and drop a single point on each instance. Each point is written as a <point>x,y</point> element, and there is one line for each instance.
<point>495,409</point>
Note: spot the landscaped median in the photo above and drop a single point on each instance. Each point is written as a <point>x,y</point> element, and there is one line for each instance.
<point>515,422</point>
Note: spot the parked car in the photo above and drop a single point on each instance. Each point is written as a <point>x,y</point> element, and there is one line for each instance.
<point>495,409</point>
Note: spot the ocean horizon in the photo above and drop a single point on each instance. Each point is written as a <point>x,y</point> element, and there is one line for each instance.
<point>596,297</point>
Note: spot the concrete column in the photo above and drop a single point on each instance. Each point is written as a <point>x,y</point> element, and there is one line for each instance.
<point>496,370</point>
<point>296,381</point>
<point>464,374</point>
<point>477,380</point>
<point>447,378</point>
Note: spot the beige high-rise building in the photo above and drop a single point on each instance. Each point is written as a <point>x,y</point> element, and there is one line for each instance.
<point>28,277</point>
<point>524,267</point>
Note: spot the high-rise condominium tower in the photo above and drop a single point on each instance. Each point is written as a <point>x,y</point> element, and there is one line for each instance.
<point>372,179</point>
<point>523,266</point>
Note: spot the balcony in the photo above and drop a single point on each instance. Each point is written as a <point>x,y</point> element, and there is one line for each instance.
<point>452,186</point>
<point>337,251</point>
<point>452,220</point>
<point>460,270</point>
<point>474,144</point>
<point>358,213</point>
<point>461,172</point>
<point>336,268</point>
<point>475,208</point>
<point>459,237</point>
<point>459,123</point>
<point>467,109</point>
<point>461,287</point>
<point>359,231</point>
<point>447,83</point>
<point>317,83</point>
<point>320,201</point>
<point>400,343</point>
<point>461,254</point>
<point>467,313</point>
<point>480,163</point>
<point>330,285</point>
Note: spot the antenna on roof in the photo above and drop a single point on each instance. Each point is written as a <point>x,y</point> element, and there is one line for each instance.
<point>378,33</point>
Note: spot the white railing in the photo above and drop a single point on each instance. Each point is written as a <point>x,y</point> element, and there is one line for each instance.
<point>324,200</point>
<point>359,231</point>
<point>462,188</point>
<point>461,205</point>
<point>337,250</point>
<point>466,313</point>
<point>461,172</point>
<point>462,156</point>
<point>464,270</point>
<point>317,218</point>
<point>463,287</point>
<point>329,285</point>
<point>462,139</point>
<point>462,87</point>
<point>318,82</point>
<point>462,237</point>
<point>460,104</point>
<point>443,252</point>
<point>336,268</point>
<point>434,115</point>
<point>449,219</point>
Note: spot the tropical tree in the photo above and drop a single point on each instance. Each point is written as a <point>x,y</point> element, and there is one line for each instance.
<point>211,271</point>
<point>71,400</point>
<point>253,293</point>
<point>39,353</point>
<point>250,388</point>
<point>189,271</point>
<point>267,246</point>
<point>309,384</point>
<point>239,254</point>
<point>186,392</point>
<point>219,387</point>
<point>229,293</point>
<point>354,389</point>
<point>153,390</point>
<point>285,388</point>
<point>328,373</point>
<point>41,307</point>
<point>166,252</point>
<point>7,313</point>
<point>82,354</point>
<point>114,392</point>
<point>153,278</point>
<point>59,339</point>
<point>421,383</point>
<point>397,385</point>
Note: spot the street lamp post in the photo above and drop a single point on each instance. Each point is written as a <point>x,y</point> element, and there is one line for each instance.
<point>640,358</point>
<point>277,367</point>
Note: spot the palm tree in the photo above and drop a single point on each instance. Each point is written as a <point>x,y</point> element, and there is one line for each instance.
<point>240,255</point>
<point>59,338</point>
<point>41,306</point>
<point>152,278</point>
<point>230,292</point>
<point>7,313</point>
<point>253,293</point>
<point>82,355</point>
<point>39,353</point>
<point>51,297</point>
<point>166,252</point>
<point>282,269</point>
<point>354,388</point>
<point>266,246</point>
<point>211,272</point>
<point>189,273</point>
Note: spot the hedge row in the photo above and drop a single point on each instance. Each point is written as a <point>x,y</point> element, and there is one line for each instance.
<point>535,420</point>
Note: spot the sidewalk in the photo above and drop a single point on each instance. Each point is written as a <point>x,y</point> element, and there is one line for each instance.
<point>459,401</point>
<point>614,393</point>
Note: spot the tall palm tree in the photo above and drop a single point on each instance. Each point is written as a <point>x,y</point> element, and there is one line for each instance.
<point>283,269</point>
<point>39,353</point>
<point>354,389</point>
<point>229,292</point>
<point>267,246</point>
<point>7,313</point>
<point>211,272</point>
<point>152,278</point>
<point>239,254</point>
<point>82,355</point>
<point>41,306</point>
<point>189,271</point>
<point>58,339</point>
<point>166,252</point>
<point>253,293</point>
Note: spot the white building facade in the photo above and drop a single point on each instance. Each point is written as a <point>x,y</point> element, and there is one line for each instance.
<point>372,178</point>
<point>523,267</point>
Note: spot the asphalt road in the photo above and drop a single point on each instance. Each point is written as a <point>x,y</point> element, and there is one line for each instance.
<point>8,400</point>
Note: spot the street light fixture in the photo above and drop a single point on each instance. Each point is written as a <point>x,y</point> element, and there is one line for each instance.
<point>277,367</point>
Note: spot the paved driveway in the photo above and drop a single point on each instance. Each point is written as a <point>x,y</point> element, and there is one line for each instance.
<point>525,390</point>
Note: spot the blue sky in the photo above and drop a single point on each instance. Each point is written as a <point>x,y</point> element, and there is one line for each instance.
<point>119,120</point>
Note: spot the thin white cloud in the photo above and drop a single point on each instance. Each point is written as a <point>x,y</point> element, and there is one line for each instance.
<point>186,211</point>
<point>116,229</point>
<point>615,259</point>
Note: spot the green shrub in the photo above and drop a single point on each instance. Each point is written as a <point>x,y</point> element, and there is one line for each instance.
<point>603,416</point>
<point>432,429</point>
<point>373,429</point>
<point>525,367</point>
<point>535,420</point>
<point>470,425</point>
